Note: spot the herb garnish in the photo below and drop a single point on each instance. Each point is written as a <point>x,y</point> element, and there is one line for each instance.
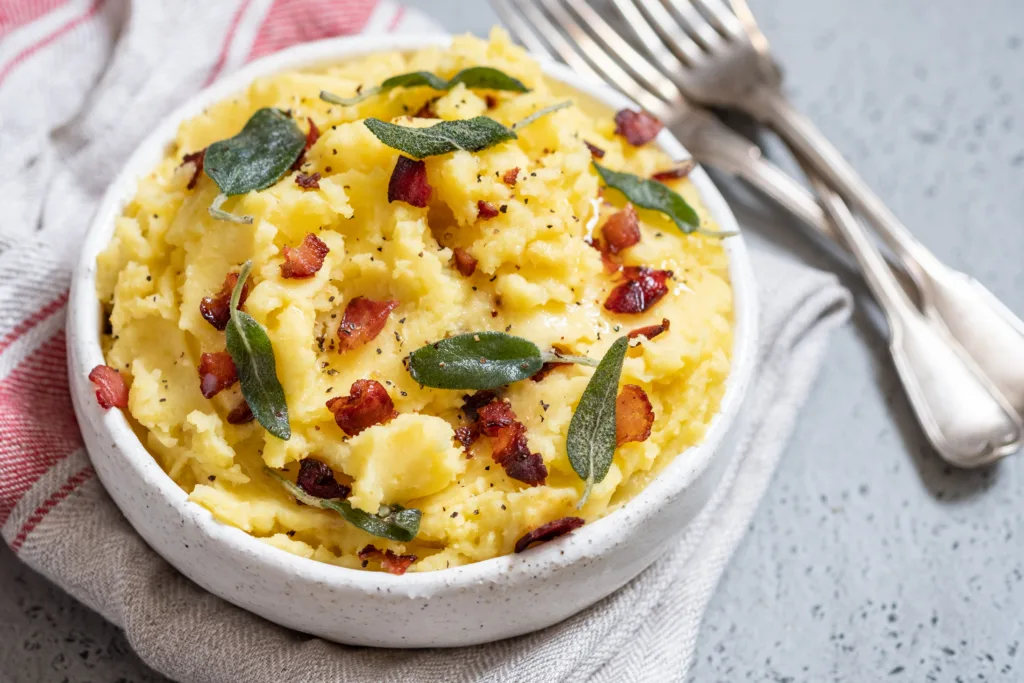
<point>590,441</point>
<point>253,355</point>
<point>481,360</point>
<point>392,522</point>
<point>254,159</point>
<point>473,135</point>
<point>650,194</point>
<point>482,77</point>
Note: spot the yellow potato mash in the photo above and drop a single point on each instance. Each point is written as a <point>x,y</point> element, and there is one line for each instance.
<point>537,277</point>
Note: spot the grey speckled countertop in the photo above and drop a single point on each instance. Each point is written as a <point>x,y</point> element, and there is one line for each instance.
<point>868,560</point>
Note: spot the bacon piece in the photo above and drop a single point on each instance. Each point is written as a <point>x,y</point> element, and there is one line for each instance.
<point>312,135</point>
<point>595,151</point>
<point>111,391</point>
<point>317,479</point>
<point>409,183</point>
<point>196,158</point>
<point>622,229</point>
<point>491,101</point>
<point>511,177</point>
<point>486,210</point>
<point>467,436</point>
<point>305,260</point>
<point>651,331</point>
<point>390,561</point>
<point>509,448</point>
<point>633,415</point>
<point>549,531</point>
<point>217,309</point>
<point>426,111</point>
<point>307,181</point>
<point>367,404</point>
<point>682,170</point>
<point>216,373</point>
<point>546,370</point>
<point>641,290</point>
<point>363,321</point>
<point>240,414</point>
<point>472,403</point>
<point>638,127</point>
<point>464,261</point>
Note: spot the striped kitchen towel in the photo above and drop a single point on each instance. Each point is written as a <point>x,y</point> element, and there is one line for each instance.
<point>81,82</point>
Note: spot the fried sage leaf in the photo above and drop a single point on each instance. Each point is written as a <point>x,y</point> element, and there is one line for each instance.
<point>392,522</point>
<point>258,156</point>
<point>481,77</point>
<point>590,441</point>
<point>253,355</point>
<point>472,135</point>
<point>650,194</point>
<point>481,360</point>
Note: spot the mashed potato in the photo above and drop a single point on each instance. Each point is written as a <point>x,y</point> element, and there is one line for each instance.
<point>536,277</point>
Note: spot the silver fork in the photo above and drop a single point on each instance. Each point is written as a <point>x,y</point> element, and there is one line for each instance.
<point>723,59</point>
<point>963,417</point>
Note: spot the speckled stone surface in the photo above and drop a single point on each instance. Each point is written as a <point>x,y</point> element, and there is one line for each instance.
<point>868,560</point>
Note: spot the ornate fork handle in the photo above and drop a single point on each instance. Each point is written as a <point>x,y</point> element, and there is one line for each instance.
<point>987,330</point>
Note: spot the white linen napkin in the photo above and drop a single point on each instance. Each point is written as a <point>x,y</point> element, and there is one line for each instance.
<point>80,85</point>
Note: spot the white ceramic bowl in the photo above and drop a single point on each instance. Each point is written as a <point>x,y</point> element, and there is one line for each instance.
<point>497,598</point>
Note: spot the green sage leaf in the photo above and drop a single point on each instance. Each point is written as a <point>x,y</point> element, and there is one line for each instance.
<point>590,441</point>
<point>650,194</point>
<point>253,355</point>
<point>481,77</point>
<point>473,135</point>
<point>392,522</point>
<point>222,215</point>
<point>481,360</point>
<point>258,156</point>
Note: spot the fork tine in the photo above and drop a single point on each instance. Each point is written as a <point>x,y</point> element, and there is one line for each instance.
<point>626,56</point>
<point>672,35</point>
<point>521,31</point>
<point>585,56</point>
<point>694,23</point>
<point>723,18</point>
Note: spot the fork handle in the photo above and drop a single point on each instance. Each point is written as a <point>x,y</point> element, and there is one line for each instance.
<point>990,333</point>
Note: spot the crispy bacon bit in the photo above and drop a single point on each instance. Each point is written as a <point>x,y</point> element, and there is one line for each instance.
<point>111,391</point>
<point>622,229</point>
<point>216,372</point>
<point>651,331</point>
<point>307,181</point>
<point>367,404</point>
<point>426,111</point>
<point>511,177</point>
<point>641,290</point>
<point>317,479</point>
<point>304,260</point>
<point>491,101</point>
<point>240,414</point>
<point>546,370</point>
<point>464,262</point>
<point>363,321</point>
<point>390,561</point>
<point>495,419</point>
<point>633,415</point>
<point>609,263</point>
<point>217,309</point>
<point>486,210</point>
<point>683,169</point>
<point>549,531</point>
<point>197,159</point>
<point>595,151</point>
<point>409,183</point>
<point>312,135</point>
<point>638,127</point>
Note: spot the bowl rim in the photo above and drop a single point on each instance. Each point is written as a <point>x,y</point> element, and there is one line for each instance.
<point>591,540</point>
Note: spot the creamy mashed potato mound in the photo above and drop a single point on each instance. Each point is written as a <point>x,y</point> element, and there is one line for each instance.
<point>536,278</point>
